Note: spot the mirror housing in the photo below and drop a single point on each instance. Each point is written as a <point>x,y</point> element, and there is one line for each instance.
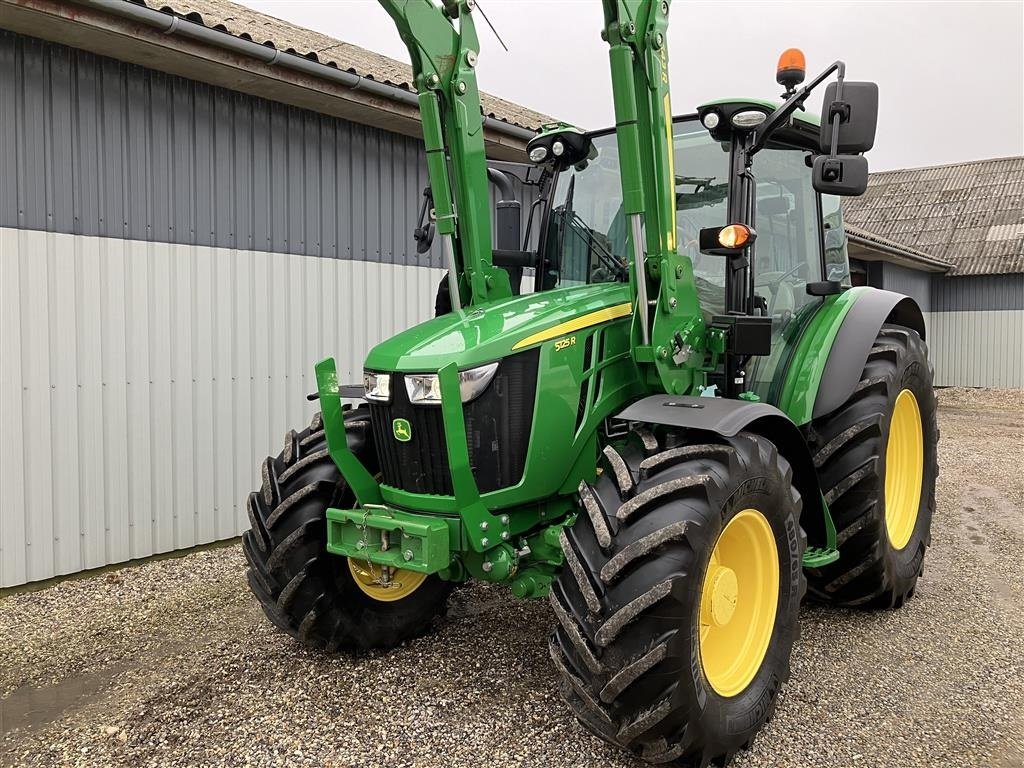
<point>423,236</point>
<point>844,175</point>
<point>858,112</point>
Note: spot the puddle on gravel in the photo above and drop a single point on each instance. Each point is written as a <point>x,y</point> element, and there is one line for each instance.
<point>29,707</point>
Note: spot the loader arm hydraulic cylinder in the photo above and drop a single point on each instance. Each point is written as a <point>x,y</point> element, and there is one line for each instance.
<point>443,48</point>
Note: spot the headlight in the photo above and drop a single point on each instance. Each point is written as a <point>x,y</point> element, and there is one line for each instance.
<point>425,388</point>
<point>377,386</point>
<point>538,153</point>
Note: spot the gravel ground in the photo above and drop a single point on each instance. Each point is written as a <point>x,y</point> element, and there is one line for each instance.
<point>172,663</point>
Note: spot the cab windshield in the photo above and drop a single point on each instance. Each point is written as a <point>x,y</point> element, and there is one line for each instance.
<point>586,240</point>
<point>799,235</point>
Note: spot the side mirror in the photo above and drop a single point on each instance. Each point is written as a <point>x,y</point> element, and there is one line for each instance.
<point>858,114</point>
<point>423,236</point>
<point>844,175</point>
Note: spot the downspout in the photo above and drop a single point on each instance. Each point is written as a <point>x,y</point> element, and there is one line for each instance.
<point>175,25</point>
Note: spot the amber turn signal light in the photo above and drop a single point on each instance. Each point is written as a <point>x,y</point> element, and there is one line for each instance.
<point>734,236</point>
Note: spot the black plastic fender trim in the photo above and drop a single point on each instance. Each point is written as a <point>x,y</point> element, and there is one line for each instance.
<point>852,344</point>
<point>729,417</point>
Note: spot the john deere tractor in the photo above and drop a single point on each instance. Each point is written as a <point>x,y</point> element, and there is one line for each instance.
<point>671,417</point>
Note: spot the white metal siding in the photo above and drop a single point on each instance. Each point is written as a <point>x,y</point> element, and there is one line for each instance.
<point>142,384</point>
<point>978,348</point>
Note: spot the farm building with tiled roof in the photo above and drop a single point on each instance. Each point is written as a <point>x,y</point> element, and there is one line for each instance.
<point>951,236</point>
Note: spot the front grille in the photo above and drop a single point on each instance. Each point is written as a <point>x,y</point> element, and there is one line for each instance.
<point>421,464</point>
<point>498,424</point>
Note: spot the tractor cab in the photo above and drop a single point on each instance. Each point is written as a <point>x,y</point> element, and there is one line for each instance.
<point>800,241</point>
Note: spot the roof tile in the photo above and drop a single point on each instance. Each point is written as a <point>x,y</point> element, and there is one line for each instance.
<point>240,21</point>
<point>969,214</point>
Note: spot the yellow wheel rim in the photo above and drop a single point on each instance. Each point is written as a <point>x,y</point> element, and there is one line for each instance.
<point>384,585</point>
<point>904,469</point>
<point>738,603</point>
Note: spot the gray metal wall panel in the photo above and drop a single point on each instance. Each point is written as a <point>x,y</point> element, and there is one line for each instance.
<point>146,372</point>
<point>911,282</point>
<point>977,348</point>
<point>143,384</point>
<point>94,146</point>
<point>981,292</point>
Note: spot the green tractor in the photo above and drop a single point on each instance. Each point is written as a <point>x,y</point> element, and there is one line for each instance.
<point>672,417</point>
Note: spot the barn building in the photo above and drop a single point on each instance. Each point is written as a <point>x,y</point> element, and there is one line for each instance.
<point>194,208</point>
<point>952,237</point>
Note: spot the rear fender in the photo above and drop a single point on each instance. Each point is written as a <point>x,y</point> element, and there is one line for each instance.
<point>729,417</point>
<point>849,352</point>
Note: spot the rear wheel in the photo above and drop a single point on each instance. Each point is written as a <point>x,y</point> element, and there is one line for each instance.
<point>323,600</point>
<point>677,608</point>
<point>876,460</point>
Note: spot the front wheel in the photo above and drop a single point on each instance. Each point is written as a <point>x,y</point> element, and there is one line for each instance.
<point>326,601</point>
<point>677,607</point>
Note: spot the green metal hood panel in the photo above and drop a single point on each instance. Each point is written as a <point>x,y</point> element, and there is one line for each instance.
<point>475,336</point>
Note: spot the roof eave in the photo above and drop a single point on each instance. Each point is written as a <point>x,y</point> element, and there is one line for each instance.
<point>892,253</point>
<point>106,34</point>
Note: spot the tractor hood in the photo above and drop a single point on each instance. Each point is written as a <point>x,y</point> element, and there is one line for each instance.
<point>479,335</point>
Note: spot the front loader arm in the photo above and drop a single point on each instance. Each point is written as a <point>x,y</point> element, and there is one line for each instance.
<point>443,47</point>
<point>637,33</point>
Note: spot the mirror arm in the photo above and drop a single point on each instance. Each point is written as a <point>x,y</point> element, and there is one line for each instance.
<point>779,117</point>
<point>835,117</point>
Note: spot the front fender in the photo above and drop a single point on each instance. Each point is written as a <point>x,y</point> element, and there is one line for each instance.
<point>729,417</point>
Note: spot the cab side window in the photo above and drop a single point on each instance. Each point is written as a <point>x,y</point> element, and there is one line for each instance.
<point>837,262</point>
<point>788,247</point>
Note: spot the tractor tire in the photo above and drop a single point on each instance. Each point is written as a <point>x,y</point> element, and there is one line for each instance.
<point>678,603</point>
<point>888,426</point>
<point>307,592</point>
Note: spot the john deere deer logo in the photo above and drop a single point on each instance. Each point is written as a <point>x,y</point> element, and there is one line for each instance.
<point>402,430</point>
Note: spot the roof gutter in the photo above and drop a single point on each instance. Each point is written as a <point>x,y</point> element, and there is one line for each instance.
<point>931,262</point>
<point>170,24</point>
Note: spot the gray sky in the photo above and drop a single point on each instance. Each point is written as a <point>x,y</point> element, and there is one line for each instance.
<point>950,74</point>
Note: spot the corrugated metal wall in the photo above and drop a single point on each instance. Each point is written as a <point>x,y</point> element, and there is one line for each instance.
<point>912,282</point>
<point>977,292</point>
<point>174,258</point>
<point>975,324</point>
<point>95,146</point>
<point>143,383</point>
<point>976,330</point>
<point>981,348</point>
